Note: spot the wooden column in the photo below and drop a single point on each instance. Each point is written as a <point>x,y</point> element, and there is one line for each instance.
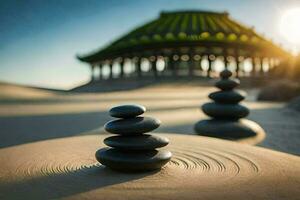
<point>153,65</point>
<point>138,67</point>
<point>261,66</point>
<point>226,61</point>
<point>209,66</point>
<point>253,71</point>
<point>237,69</point>
<point>111,69</point>
<point>122,67</point>
<point>191,64</point>
<point>92,73</point>
<point>172,66</point>
<point>100,72</point>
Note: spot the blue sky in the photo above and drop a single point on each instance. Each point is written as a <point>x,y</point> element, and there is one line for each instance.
<point>39,39</point>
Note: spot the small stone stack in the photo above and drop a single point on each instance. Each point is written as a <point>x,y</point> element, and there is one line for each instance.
<point>227,112</point>
<point>132,149</point>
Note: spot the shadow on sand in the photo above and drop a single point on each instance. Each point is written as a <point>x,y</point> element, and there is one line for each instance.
<point>17,130</point>
<point>53,186</point>
<point>24,129</point>
<point>280,124</point>
<point>71,99</point>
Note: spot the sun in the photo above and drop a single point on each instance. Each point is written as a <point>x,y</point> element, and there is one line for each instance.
<point>290,25</point>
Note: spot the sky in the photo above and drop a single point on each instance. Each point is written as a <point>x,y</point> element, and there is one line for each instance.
<point>39,39</point>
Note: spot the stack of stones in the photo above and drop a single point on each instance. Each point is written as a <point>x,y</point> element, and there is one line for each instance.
<point>132,149</point>
<point>227,112</point>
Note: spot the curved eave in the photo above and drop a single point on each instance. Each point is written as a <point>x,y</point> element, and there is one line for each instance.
<point>81,58</point>
<point>139,49</point>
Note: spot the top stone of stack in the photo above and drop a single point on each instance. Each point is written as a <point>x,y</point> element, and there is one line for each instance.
<point>129,122</point>
<point>225,74</point>
<point>127,111</point>
<point>227,83</point>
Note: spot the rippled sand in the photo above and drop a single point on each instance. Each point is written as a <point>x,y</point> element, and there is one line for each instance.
<point>201,168</point>
<point>40,158</point>
<point>56,115</point>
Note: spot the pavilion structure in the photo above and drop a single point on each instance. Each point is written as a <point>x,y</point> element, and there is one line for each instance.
<point>186,43</point>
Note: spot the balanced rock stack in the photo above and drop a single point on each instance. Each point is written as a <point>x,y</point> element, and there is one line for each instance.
<point>132,149</point>
<point>227,112</point>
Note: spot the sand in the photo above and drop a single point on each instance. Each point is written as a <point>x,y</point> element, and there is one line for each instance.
<point>61,115</point>
<point>13,91</point>
<point>40,160</point>
<point>201,168</point>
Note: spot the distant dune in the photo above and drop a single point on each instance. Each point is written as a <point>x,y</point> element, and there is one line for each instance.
<point>15,91</point>
<point>149,82</point>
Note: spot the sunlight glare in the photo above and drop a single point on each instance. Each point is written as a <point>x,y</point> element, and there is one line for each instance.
<point>289,25</point>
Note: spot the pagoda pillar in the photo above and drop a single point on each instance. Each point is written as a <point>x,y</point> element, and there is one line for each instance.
<point>209,66</point>
<point>253,70</point>
<point>171,65</point>
<point>153,66</point>
<point>111,70</point>
<point>138,67</point>
<point>100,72</point>
<point>226,62</point>
<point>237,69</point>
<point>92,73</point>
<point>122,68</point>
<point>261,66</point>
<point>191,65</point>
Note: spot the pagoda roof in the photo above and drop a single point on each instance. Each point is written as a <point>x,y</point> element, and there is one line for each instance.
<point>179,28</point>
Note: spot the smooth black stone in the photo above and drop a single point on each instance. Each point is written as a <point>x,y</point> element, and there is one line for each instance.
<point>227,84</point>
<point>225,74</point>
<point>133,160</point>
<point>139,142</point>
<point>230,97</point>
<point>225,111</point>
<point>127,111</point>
<point>132,126</point>
<point>227,129</point>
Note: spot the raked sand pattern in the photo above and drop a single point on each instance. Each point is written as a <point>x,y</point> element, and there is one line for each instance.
<point>201,168</point>
<point>41,160</point>
<point>26,120</point>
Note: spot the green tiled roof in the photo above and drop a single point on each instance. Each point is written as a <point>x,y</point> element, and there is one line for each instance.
<point>182,26</point>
